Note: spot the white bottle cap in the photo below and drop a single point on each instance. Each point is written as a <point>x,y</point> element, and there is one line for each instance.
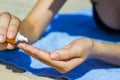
<point>20,37</point>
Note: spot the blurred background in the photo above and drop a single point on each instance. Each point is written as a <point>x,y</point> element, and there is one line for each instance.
<point>21,8</point>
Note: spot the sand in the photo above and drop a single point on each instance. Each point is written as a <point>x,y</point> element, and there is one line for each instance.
<point>21,8</point>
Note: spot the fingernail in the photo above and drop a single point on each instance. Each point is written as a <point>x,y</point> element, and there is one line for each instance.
<point>1,37</point>
<point>54,55</point>
<point>11,34</point>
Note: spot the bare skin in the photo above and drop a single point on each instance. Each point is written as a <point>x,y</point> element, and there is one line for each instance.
<point>44,11</point>
<point>35,23</point>
<point>39,17</point>
<point>9,26</point>
<point>75,53</point>
<point>72,54</point>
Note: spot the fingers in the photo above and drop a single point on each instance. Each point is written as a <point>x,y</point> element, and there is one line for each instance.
<point>68,52</point>
<point>13,27</point>
<point>77,48</point>
<point>4,22</point>
<point>41,55</point>
<point>35,52</point>
<point>5,46</point>
<point>66,66</point>
<point>9,26</point>
<point>44,56</point>
<point>60,55</point>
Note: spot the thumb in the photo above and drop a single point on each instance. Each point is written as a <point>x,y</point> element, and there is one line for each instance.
<point>63,54</point>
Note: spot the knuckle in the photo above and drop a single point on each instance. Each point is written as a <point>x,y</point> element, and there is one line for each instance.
<point>14,22</point>
<point>16,18</point>
<point>4,19</point>
<point>7,13</point>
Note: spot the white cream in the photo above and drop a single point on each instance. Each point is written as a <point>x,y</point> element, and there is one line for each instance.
<point>20,37</point>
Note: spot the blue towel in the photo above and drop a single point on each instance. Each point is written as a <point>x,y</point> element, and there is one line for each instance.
<point>61,31</point>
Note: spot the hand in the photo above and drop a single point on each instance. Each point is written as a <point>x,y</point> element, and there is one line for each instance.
<point>73,54</point>
<point>9,26</point>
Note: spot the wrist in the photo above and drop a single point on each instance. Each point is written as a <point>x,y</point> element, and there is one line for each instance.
<point>91,47</point>
<point>88,46</point>
<point>98,47</point>
<point>94,48</point>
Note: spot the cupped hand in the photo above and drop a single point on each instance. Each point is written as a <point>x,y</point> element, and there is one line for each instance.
<point>64,59</point>
<point>9,26</point>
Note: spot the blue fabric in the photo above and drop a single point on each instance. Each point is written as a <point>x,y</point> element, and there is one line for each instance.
<point>62,30</point>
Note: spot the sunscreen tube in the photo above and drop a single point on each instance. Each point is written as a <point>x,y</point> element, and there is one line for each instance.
<point>18,37</point>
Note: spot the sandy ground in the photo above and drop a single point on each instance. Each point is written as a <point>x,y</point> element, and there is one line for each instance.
<point>21,8</point>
